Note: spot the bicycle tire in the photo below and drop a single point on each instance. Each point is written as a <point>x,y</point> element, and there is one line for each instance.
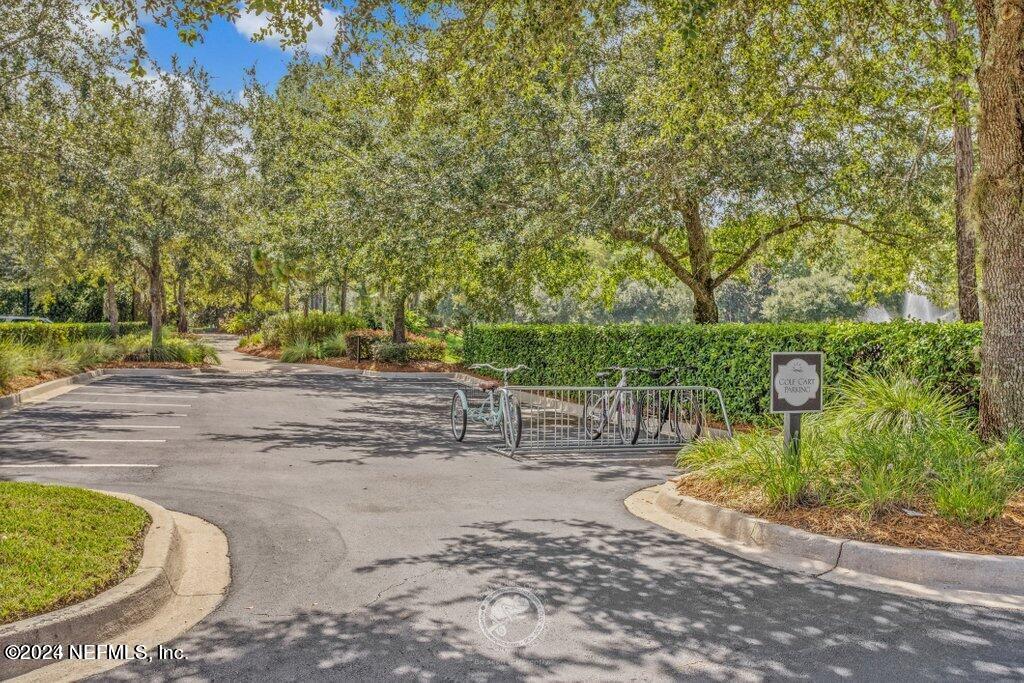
<point>595,415</point>
<point>630,413</point>
<point>458,415</point>
<point>653,418</point>
<point>512,417</point>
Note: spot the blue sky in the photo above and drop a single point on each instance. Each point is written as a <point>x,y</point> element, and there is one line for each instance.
<point>227,51</point>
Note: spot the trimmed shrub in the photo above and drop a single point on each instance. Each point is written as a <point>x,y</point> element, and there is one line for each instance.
<point>392,352</point>
<point>365,343</point>
<point>54,334</point>
<point>735,357</point>
<point>425,348</point>
<point>359,343</point>
<point>287,329</point>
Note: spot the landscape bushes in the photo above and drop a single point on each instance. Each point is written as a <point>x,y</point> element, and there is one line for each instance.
<point>63,333</point>
<point>735,357</point>
<point>287,329</point>
<point>885,445</point>
<point>377,345</point>
<point>245,322</point>
<point>48,360</point>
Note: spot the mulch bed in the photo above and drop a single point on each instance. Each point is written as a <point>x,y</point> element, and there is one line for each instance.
<point>1001,536</point>
<point>349,364</point>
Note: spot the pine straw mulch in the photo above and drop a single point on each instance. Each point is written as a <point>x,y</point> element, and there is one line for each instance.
<point>1001,536</point>
<point>349,364</point>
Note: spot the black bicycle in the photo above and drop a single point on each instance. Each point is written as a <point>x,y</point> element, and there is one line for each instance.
<point>681,408</point>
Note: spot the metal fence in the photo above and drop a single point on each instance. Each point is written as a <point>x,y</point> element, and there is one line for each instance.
<point>565,418</point>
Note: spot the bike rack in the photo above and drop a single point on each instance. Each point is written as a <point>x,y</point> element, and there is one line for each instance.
<point>556,419</point>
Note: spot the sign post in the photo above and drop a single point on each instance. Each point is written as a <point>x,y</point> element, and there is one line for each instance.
<point>796,389</point>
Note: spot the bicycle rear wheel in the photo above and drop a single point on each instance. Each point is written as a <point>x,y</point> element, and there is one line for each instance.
<point>654,411</point>
<point>688,421</point>
<point>629,414</point>
<point>595,415</point>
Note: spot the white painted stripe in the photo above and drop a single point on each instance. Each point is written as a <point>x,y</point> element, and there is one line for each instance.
<point>133,413</point>
<point>91,464</point>
<point>116,426</point>
<point>123,403</point>
<point>99,441</point>
<point>137,393</point>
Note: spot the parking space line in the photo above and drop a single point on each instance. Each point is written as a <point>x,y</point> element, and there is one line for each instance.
<point>100,441</point>
<point>133,413</point>
<point>137,393</point>
<point>80,464</point>
<point>117,426</point>
<point>122,403</point>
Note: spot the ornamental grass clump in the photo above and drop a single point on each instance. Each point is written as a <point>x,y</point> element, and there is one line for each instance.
<point>884,445</point>
<point>300,350</point>
<point>14,361</point>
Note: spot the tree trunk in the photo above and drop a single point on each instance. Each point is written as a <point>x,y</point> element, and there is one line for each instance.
<point>963,164</point>
<point>705,308</point>
<point>323,299</point>
<point>180,300</point>
<point>288,297</point>
<point>343,296</point>
<point>156,297</point>
<point>247,293</point>
<point>305,306</point>
<point>398,331</point>
<point>136,301</point>
<point>998,189</point>
<point>110,306</point>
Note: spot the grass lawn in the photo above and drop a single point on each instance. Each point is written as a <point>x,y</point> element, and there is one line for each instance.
<point>60,545</point>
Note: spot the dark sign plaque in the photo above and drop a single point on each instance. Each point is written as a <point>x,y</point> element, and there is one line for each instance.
<point>797,382</point>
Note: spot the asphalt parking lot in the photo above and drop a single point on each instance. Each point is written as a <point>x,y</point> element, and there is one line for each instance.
<point>363,541</point>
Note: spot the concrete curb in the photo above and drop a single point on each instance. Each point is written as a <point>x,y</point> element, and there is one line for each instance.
<point>15,400</point>
<point>113,611</point>
<point>964,578</point>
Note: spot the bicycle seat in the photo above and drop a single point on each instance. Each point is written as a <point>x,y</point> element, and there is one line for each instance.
<point>603,374</point>
<point>489,386</point>
<point>658,372</point>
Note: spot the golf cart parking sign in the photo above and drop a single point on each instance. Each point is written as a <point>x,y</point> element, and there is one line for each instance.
<point>796,382</point>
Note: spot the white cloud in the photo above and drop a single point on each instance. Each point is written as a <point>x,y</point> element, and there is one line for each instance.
<point>318,41</point>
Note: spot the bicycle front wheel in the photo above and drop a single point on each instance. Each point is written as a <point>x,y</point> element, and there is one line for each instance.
<point>511,422</point>
<point>459,414</point>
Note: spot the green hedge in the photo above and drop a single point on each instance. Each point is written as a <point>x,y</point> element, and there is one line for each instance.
<point>735,357</point>
<point>63,333</point>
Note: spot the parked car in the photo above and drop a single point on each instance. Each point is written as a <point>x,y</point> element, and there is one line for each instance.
<point>23,319</point>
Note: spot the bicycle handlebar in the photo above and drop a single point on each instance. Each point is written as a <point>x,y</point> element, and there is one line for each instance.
<point>476,366</point>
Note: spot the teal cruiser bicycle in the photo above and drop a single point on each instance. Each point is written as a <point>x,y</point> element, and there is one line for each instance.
<point>499,408</point>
